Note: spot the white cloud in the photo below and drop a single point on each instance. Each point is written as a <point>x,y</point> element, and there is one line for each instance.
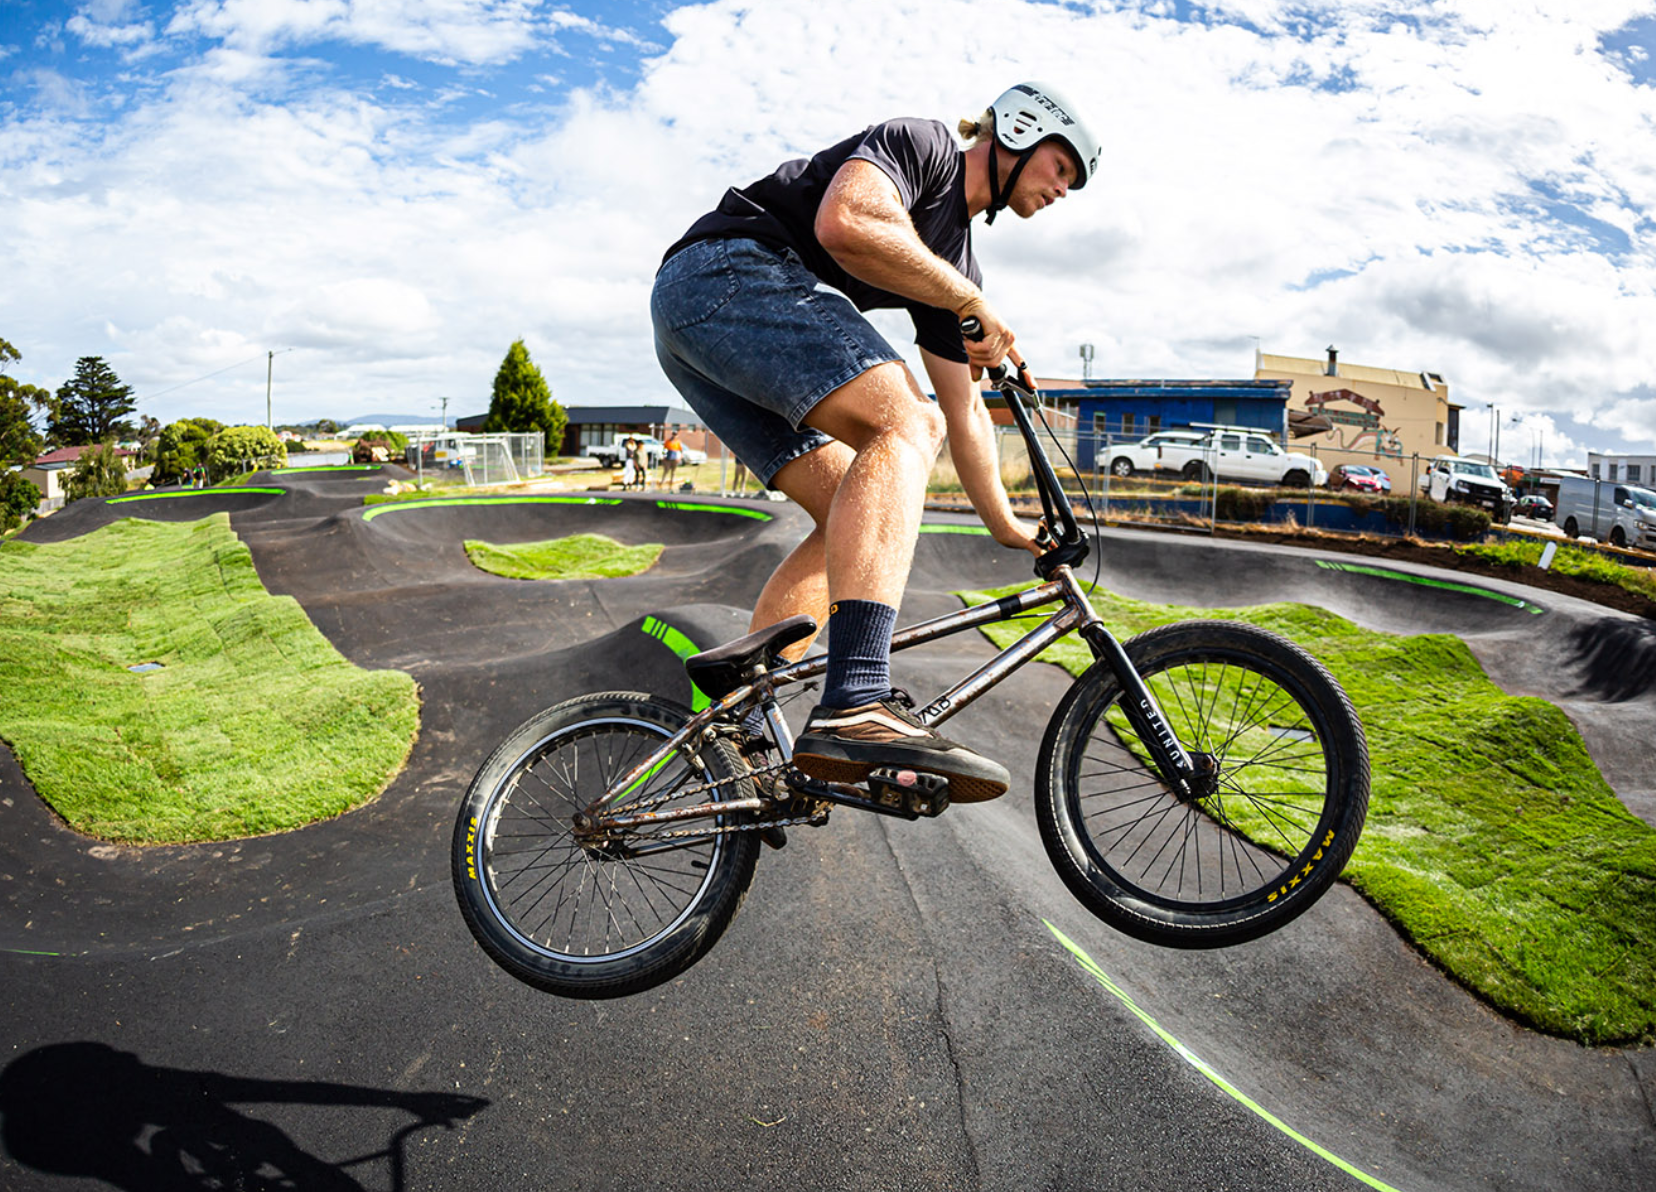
<point>254,202</point>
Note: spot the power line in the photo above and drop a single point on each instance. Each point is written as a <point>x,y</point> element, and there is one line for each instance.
<point>208,377</point>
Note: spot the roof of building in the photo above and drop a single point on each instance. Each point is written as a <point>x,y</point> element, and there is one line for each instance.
<point>1263,389</point>
<point>1348,372</point>
<point>68,455</point>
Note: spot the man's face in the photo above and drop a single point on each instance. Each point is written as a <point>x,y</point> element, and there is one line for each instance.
<point>1046,179</point>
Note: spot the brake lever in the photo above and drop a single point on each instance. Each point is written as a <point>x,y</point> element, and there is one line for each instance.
<point>1001,377</point>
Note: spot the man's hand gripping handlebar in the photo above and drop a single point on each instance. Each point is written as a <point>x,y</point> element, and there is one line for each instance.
<point>1018,385</point>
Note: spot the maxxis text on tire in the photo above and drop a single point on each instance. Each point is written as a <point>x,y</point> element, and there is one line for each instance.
<point>584,921</point>
<point>1239,860</point>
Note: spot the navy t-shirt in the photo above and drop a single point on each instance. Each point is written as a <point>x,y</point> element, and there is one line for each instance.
<point>929,170</point>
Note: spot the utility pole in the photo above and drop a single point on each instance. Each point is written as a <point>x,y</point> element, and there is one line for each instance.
<point>270,368</point>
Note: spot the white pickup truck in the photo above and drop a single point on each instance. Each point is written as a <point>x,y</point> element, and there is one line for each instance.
<point>1234,452</point>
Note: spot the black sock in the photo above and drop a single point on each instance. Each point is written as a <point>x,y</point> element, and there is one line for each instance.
<point>859,653</point>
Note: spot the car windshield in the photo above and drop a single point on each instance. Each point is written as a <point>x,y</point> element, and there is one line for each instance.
<point>1642,498</point>
<point>1467,468</point>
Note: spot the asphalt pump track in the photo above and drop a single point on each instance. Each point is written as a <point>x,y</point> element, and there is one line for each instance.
<point>898,1006</point>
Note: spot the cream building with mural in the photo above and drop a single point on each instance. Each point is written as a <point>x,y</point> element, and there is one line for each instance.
<point>1354,413</point>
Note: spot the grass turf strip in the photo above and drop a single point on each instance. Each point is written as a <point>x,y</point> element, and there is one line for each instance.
<point>1492,841</point>
<point>579,556</point>
<point>254,723</point>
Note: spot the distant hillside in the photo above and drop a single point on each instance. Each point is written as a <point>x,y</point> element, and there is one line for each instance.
<point>394,419</point>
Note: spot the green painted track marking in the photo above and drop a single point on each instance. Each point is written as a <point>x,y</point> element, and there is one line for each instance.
<point>195,492</point>
<point>1201,1066</point>
<point>687,507</point>
<point>680,645</point>
<point>1468,589</point>
<point>327,468</point>
<point>936,529</point>
<point>397,506</point>
<point>27,952</point>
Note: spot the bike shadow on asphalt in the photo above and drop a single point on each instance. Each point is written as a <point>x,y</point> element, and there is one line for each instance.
<point>87,1109</point>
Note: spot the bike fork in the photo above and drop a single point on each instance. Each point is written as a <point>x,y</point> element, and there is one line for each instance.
<point>1173,761</point>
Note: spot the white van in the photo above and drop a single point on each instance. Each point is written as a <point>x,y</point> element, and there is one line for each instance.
<point>1621,514</point>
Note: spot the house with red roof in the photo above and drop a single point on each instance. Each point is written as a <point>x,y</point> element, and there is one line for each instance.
<point>50,471</point>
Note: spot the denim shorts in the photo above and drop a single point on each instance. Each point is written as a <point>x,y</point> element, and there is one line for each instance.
<point>747,336</point>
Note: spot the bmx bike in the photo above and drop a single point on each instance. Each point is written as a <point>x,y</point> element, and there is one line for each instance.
<point>1198,786</point>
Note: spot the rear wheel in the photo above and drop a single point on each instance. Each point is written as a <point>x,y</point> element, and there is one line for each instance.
<point>1258,840</point>
<point>1197,470</point>
<point>1571,530</point>
<point>599,916</point>
<point>1121,467</point>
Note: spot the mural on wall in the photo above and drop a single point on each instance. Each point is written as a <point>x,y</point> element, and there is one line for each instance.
<point>1351,430</point>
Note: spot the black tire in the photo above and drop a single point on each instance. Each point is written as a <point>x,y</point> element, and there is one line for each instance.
<point>1298,478</point>
<point>1121,467</point>
<point>588,924</point>
<point>1194,873</point>
<point>1618,536</point>
<point>1197,470</point>
<point>1571,530</point>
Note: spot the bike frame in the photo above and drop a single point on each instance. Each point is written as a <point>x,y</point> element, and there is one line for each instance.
<point>1070,545</point>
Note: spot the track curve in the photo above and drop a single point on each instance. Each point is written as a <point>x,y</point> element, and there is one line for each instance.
<point>890,1010</point>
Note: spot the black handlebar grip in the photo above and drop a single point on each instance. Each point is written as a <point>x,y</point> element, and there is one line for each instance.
<point>971,328</point>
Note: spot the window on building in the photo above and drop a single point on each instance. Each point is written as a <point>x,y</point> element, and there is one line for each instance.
<point>1155,423</point>
<point>1594,472</point>
<point>1438,437</point>
<point>1128,421</point>
<point>1225,412</point>
<point>1632,473</point>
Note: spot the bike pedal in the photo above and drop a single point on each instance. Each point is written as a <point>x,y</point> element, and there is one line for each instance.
<point>911,792</point>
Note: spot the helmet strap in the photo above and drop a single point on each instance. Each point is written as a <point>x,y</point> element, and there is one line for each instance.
<point>997,199</point>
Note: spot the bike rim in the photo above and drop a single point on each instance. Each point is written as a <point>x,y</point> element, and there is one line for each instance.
<point>563,900</point>
<point>1261,830</point>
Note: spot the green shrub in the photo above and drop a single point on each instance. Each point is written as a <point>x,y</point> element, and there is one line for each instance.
<point>18,499</point>
<point>243,449</point>
<point>99,472</point>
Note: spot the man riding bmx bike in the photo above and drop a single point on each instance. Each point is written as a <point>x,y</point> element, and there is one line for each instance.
<point>758,325</point>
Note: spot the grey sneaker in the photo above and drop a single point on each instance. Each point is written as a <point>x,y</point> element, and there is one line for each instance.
<point>844,744</point>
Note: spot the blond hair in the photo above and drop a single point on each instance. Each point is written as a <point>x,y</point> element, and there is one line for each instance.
<point>975,131</point>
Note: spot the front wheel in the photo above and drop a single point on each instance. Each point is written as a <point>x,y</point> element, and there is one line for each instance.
<point>1298,478</point>
<point>1259,838</point>
<point>1618,537</point>
<point>1121,467</point>
<point>595,916</point>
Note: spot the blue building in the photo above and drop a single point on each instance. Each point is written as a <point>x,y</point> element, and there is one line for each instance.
<point>1115,410</point>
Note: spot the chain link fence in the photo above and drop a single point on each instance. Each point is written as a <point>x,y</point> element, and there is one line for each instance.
<point>1197,489</point>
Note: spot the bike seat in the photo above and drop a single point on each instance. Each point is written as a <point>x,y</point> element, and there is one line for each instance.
<point>722,669</point>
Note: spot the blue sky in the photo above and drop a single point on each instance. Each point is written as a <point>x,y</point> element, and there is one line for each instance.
<point>387,193</point>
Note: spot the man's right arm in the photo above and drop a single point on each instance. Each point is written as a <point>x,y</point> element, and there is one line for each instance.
<point>864,226</point>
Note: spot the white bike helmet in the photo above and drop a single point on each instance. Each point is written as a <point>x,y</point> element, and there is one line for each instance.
<point>1027,115</point>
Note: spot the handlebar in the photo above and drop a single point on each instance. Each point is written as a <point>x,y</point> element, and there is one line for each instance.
<point>1064,541</point>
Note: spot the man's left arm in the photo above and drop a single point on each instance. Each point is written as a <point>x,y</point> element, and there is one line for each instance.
<point>972,445</point>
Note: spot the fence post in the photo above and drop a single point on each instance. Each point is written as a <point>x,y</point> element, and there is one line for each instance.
<point>1414,489</point>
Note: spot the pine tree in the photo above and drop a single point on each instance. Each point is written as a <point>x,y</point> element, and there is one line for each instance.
<point>522,401</point>
<point>91,407</point>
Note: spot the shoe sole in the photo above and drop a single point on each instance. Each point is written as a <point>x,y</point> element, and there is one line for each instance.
<point>963,788</point>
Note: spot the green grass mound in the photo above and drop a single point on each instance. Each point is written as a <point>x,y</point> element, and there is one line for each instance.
<point>1492,842</point>
<point>253,724</point>
<point>580,556</point>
